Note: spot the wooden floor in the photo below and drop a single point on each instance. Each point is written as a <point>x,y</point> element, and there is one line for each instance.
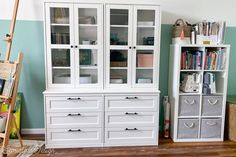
<point>166,148</point>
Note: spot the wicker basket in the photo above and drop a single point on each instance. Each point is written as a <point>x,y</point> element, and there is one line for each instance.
<point>179,26</point>
<point>231,121</point>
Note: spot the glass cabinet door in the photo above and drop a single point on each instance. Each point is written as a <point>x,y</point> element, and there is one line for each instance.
<point>88,36</point>
<point>118,44</point>
<point>59,26</point>
<point>145,41</point>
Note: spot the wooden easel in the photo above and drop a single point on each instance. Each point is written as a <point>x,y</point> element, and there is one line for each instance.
<point>11,100</point>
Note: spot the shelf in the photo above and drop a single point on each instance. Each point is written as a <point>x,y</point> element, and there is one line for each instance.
<point>187,117</point>
<point>117,26</point>
<point>214,70</point>
<point>189,70</point>
<point>58,24</point>
<point>119,14</point>
<point>212,94</point>
<point>182,93</point>
<point>88,25</point>
<point>118,68</point>
<point>88,67</point>
<point>211,116</point>
<point>144,68</point>
<point>61,67</point>
<point>146,26</point>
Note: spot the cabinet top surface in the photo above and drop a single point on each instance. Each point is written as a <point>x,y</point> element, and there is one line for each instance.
<point>96,91</point>
<point>199,45</point>
<point>144,2</point>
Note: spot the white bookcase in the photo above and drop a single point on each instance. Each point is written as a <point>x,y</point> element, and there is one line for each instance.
<point>198,115</point>
<point>102,73</point>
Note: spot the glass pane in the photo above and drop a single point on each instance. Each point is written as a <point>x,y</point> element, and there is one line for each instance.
<point>119,17</point>
<point>215,58</point>
<point>59,15</point>
<point>118,76</point>
<point>61,76</point>
<point>118,58</point>
<point>119,36</point>
<point>87,16</point>
<point>60,57</point>
<point>146,18</point>
<point>145,36</point>
<point>144,76</point>
<point>88,57</point>
<point>88,35</point>
<point>144,58</point>
<point>88,76</point>
<point>60,35</point>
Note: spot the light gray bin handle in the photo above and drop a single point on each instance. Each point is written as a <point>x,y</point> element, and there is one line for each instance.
<point>212,103</point>
<point>190,103</point>
<point>189,126</point>
<point>211,124</point>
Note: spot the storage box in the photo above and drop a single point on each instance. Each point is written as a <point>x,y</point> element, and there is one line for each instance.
<point>145,60</point>
<point>118,64</point>
<point>231,118</point>
<point>85,79</point>
<point>145,23</point>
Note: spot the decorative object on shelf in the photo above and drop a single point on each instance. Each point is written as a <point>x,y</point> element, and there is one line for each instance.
<point>117,55</point>
<point>148,41</point>
<point>144,80</point>
<point>87,20</point>
<point>181,32</point>
<point>60,16</point>
<point>116,80</point>
<point>85,79</point>
<point>209,83</point>
<point>85,57</point>
<point>144,60</point>
<point>61,58</point>
<point>190,82</point>
<point>118,63</point>
<point>210,32</point>
<point>60,38</point>
<point>145,23</point>
<point>62,78</point>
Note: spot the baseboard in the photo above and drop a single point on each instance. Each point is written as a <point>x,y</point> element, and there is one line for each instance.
<point>33,131</point>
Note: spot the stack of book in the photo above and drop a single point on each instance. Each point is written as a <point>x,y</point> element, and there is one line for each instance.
<point>191,60</point>
<point>215,60</point>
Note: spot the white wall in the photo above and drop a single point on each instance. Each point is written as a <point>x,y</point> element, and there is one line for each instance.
<point>191,10</point>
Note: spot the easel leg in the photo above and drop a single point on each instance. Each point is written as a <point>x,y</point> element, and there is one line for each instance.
<point>17,131</point>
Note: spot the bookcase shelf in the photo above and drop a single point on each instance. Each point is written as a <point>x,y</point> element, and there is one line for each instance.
<point>194,113</point>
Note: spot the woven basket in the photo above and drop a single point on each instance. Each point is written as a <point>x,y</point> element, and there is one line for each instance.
<point>179,26</point>
<point>231,110</point>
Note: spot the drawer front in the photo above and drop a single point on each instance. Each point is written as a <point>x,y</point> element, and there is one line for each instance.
<point>189,105</point>
<point>131,103</point>
<point>131,136</point>
<point>117,119</point>
<point>211,128</point>
<point>188,128</point>
<point>73,104</point>
<point>212,105</point>
<point>72,119</point>
<point>74,136</point>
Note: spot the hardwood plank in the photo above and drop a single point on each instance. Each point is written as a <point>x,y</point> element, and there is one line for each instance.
<point>166,149</point>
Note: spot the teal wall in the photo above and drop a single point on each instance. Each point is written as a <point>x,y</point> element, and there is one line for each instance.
<point>29,39</point>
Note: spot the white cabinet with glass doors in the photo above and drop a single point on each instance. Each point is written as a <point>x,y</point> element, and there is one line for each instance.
<point>132,46</point>
<point>75,45</point>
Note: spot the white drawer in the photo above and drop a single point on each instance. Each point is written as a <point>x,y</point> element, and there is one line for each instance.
<point>73,137</point>
<point>73,104</point>
<point>74,119</point>
<point>117,119</point>
<point>131,103</point>
<point>131,136</point>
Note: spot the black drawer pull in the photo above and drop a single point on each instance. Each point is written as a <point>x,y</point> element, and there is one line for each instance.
<point>71,130</point>
<point>131,129</point>
<point>131,97</point>
<point>77,114</point>
<point>73,98</point>
<point>131,113</point>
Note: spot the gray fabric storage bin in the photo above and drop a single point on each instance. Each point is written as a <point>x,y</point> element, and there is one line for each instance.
<point>189,105</point>
<point>211,128</point>
<point>212,105</point>
<point>188,128</point>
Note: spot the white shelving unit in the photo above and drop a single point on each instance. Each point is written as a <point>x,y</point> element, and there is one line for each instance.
<point>102,73</point>
<point>197,116</point>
